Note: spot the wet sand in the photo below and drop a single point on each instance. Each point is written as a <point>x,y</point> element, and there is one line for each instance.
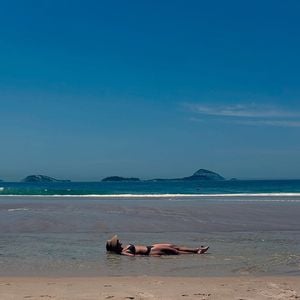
<point>144,287</point>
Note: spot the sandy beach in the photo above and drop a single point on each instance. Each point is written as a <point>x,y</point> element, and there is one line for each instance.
<point>55,248</point>
<point>149,287</point>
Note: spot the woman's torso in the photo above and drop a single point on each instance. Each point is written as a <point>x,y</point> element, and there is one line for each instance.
<point>138,249</point>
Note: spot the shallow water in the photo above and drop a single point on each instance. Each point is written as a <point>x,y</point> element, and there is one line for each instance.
<point>66,236</point>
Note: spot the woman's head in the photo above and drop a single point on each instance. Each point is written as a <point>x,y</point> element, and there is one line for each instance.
<point>114,245</point>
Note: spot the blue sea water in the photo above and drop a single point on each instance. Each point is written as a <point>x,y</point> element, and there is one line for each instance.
<point>151,187</point>
<point>57,229</point>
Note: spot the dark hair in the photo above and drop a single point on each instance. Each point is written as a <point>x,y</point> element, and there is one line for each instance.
<point>109,246</point>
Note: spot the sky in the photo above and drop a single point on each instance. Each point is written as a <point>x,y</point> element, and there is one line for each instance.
<point>90,89</point>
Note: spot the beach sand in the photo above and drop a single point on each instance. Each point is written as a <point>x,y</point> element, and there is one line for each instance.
<point>149,287</point>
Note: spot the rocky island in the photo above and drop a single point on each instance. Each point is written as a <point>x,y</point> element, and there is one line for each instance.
<point>42,178</point>
<point>119,178</point>
<point>201,175</point>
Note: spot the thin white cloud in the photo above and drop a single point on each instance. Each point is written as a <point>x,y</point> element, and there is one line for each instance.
<point>276,123</point>
<point>249,115</point>
<point>241,111</point>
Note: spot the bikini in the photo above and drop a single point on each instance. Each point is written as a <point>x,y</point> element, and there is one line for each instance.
<point>148,250</point>
<point>131,249</point>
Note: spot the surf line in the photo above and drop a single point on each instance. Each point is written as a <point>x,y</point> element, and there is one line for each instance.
<point>156,195</point>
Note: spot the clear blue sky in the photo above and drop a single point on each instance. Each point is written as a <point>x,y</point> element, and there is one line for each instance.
<point>149,88</point>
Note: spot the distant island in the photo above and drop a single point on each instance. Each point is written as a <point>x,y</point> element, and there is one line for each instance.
<point>42,178</point>
<point>201,175</point>
<point>119,178</point>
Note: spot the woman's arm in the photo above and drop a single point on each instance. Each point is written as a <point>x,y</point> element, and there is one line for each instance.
<point>129,250</point>
<point>124,252</point>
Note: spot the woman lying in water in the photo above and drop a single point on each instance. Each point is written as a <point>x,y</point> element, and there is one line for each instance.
<point>114,245</point>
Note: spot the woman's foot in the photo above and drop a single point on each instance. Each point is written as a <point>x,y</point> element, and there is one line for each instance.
<point>202,250</point>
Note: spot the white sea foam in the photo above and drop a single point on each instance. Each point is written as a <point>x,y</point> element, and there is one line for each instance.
<point>161,195</point>
<point>1,189</point>
<point>17,209</point>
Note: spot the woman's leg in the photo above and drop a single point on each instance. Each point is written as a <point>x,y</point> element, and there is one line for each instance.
<point>163,249</point>
<point>183,249</point>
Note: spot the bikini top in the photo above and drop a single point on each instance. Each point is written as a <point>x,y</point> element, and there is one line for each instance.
<point>131,249</point>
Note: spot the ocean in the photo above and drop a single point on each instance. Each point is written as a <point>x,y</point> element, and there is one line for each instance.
<point>60,229</point>
<point>151,187</point>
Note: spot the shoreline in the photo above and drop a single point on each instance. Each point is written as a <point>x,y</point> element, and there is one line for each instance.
<point>150,287</point>
<point>166,195</point>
